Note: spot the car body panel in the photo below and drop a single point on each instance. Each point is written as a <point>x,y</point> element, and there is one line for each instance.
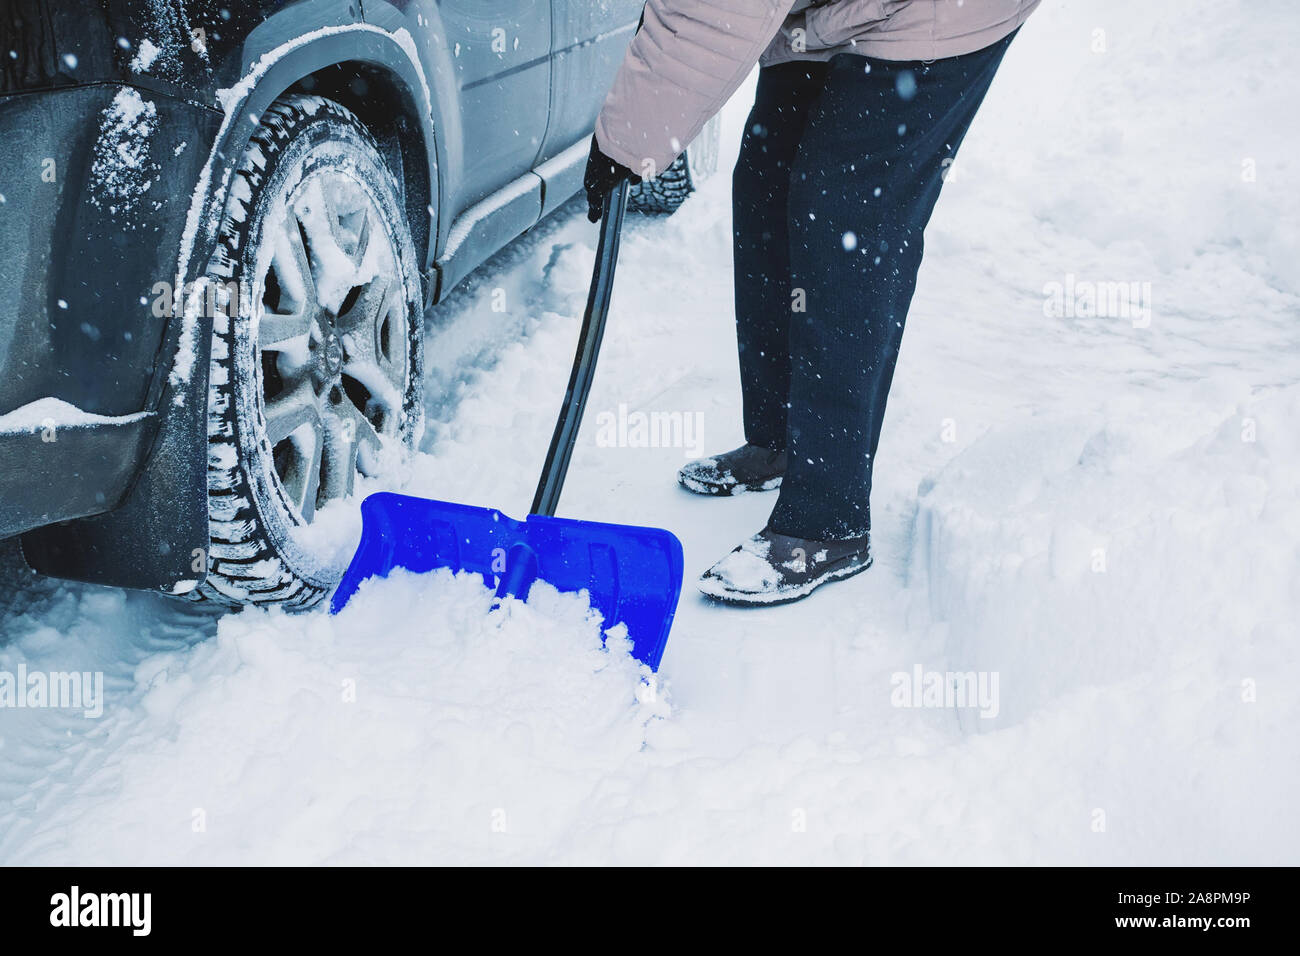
<point>53,45</point>
<point>589,40</point>
<point>69,471</point>
<point>493,58</point>
<point>79,269</point>
<point>86,241</point>
<point>587,43</point>
<point>483,58</point>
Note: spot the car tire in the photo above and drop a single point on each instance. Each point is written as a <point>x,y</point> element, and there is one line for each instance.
<point>317,356</point>
<point>664,194</point>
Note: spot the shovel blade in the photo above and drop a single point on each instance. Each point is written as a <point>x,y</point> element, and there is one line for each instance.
<point>632,575</point>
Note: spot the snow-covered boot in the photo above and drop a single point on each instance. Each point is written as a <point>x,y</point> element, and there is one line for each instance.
<point>748,468</point>
<point>773,568</point>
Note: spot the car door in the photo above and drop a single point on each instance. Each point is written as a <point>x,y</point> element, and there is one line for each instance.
<point>500,54</point>
<point>589,39</point>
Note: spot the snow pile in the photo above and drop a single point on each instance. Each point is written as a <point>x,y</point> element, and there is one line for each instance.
<point>145,56</point>
<point>53,413</point>
<point>747,569</point>
<point>122,171</point>
<point>1069,554</point>
<point>310,739</point>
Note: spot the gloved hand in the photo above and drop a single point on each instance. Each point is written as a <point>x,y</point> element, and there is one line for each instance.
<point>602,175</point>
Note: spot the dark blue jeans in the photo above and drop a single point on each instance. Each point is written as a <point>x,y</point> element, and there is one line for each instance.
<point>839,170</point>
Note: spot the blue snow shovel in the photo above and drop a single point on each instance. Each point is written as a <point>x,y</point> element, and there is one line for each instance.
<point>632,575</point>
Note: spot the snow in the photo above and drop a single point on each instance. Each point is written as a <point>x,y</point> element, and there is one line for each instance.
<point>466,221</point>
<point>53,413</point>
<point>231,98</point>
<point>187,346</point>
<point>747,569</point>
<point>1091,516</point>
<point>145,55</point>
<point>121,171</point>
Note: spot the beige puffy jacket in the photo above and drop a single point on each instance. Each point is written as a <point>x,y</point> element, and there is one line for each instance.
<point>690,55</point>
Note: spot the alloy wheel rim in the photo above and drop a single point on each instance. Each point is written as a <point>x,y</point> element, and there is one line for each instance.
<point>331,340</point>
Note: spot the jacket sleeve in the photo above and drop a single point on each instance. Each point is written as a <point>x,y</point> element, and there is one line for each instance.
<point>685,62</point>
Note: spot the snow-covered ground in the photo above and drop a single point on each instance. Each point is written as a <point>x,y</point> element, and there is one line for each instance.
<point>1096,511</point>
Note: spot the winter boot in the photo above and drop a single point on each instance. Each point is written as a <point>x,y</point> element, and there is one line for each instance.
<point>748,468</point>
<point>773,568</point>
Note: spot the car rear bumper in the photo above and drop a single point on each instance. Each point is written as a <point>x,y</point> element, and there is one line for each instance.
<point>53,472</point>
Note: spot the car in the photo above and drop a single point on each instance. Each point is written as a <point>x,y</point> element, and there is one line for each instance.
<point>221,225</point>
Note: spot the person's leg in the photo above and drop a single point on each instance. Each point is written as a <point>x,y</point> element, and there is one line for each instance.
<point>866,178</point>
<point>760,189</point>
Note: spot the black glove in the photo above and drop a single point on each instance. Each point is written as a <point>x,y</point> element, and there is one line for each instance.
<point>602,175</point>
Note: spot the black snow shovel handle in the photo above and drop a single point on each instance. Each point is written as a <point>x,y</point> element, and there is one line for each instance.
<point>584,362</point>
